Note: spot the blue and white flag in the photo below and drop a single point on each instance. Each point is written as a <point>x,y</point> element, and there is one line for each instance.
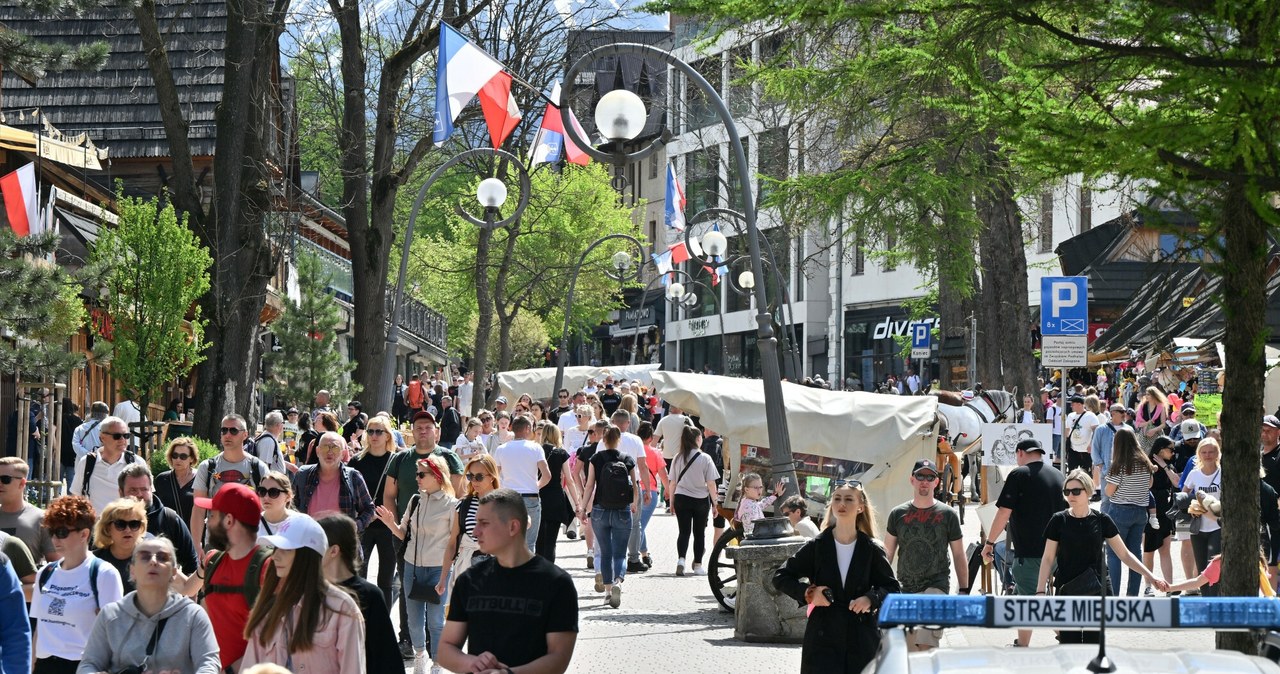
<point>462,70</point>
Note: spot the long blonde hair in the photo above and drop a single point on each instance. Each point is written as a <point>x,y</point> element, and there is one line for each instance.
<point>866,521</point>
<point>489,465</point>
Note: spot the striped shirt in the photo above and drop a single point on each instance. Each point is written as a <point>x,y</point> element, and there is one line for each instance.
<point>468,506</point>
<point>1131,488</point>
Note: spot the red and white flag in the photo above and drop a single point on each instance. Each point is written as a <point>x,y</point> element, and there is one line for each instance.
<point>21,202</point>
<point>501,113</point>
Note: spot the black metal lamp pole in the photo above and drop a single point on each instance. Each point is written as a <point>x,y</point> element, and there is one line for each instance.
<point>766,341</point>
<point>491,195</point>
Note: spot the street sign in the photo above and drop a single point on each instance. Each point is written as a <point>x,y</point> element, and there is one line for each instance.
<point>1064,305</point>
<point>1064,350</point>
<point>921,340</point>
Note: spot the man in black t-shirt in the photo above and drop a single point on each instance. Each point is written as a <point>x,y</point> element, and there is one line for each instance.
<point>610,399</point>
<point>514,608</point>
<point>1271,451</point>
<point>1031,495</point>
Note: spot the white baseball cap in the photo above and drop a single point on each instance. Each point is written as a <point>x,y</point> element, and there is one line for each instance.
<point>297,531</point>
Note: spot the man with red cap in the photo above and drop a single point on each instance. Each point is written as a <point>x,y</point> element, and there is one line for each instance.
<point>234,571</point>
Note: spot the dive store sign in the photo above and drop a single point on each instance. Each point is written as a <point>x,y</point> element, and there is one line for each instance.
<point>890,327</point>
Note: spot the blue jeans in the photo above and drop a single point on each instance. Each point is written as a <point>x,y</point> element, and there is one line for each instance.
<point>612,528</point>
<point>646,513</point>
<point>423,616</point>
<point>1130,520</point>
<point>534,505</point>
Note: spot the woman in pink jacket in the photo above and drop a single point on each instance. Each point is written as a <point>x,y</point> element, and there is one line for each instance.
<point>301,620</point>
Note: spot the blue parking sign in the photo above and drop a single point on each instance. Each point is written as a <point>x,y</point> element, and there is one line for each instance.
<point>920,336</point>
<point>1064,305</point>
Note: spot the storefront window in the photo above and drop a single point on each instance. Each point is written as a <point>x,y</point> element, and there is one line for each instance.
<point>871,354</point>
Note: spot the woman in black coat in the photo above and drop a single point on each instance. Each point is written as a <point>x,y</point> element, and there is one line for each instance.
<point>849,577</point>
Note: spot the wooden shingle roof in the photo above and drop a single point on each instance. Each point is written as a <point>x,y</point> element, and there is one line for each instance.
<point>117,105</point>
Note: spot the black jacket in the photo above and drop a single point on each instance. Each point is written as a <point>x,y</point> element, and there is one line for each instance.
<point>163,521</point>
<point>837,639</point>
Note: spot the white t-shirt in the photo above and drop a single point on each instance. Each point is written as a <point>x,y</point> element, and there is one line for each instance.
<point>518,465</point>
<point>268,449</point>
<point>567,421</point>
<point>844,556</point>
<point>66,610</point>
<point>574,439</point>
<point>104,484</point>
<point>130,412</point>
<point>669,430</point>
<point>463,401</point>
<point>1209,484</point>
<point>1052,413</point>
<point>1082,436</point>
<point>631,445</point>
<point>465,448</point>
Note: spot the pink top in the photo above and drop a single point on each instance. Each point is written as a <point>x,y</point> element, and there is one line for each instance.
<point>337,648</point>
<point>750,510</point>
<point>325,499</point>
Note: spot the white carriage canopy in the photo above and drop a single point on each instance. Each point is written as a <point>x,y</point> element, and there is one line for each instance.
<point>540,382</point>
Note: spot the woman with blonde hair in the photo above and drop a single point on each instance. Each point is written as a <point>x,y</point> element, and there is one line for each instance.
<point>842,635</point>
<point>372,464</point>
<point>123,523</point>
<point>176,487</point>
<point>481,473</point>
<point>557,506</point>
<point>1206,532</point>
<point>1152,415</point>
<point>301,619</point>
<point>629,404</point>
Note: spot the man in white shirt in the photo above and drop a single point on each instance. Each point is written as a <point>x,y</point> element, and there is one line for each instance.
<point>269,446</point>
<point>631,445</point>
<point>568,420</point>
<point>97,473</point>
<point>913,383</point>
<point>1080,425</point>
<point>465,389</point>
<point>669,430</point>
<point>522,466</point>
<point>87,436</point>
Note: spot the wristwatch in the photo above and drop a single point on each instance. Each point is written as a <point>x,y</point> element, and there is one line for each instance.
<point>988,543</point>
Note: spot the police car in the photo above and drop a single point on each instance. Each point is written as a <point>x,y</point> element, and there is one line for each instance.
<point>901,611</point>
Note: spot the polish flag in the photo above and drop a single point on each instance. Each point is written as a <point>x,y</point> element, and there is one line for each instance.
<point>679,252</point>
<point>501,113</point>
<point>20,200</point>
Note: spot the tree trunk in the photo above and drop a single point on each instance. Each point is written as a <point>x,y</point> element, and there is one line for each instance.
<point>505,318</point>
<point>1004,313</point>
<point>1244,282</point>
<point>504,342</point>
<point>484,321</point>
<point>955,295</point>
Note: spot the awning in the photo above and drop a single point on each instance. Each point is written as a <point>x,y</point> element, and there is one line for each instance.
<point>79,226</point>
<point>77,151</point>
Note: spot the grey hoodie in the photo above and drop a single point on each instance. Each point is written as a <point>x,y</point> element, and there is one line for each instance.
<point>121,633</point>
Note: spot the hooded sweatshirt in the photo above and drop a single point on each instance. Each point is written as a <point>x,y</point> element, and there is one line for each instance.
<point>121,634</point>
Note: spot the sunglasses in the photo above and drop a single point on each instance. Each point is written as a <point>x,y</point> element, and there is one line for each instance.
<point>179,457</point>
<point>158,556</point>
<point>422,475</point>
<point>376,431</point>
<point>925,477</point>
<point>836,484</point>
<point>270,492</point>
<point>118,436</point>
<point>1072,491</point>
<point>226,430</point>
<point>127,525</point>
<point>63,532</point>
<point>474,477</point>
<point>7,479</point>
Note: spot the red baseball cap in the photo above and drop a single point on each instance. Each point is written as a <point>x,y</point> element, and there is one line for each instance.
<point>236,500</point>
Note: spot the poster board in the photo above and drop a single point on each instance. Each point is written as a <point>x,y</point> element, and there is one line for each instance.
<point>999,441</point>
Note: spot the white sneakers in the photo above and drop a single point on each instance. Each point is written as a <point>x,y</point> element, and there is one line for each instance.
<point>420,662</point>
<point>699,570</point>
<point>615,596</point>
<point>599,582</point>
<point>680,567</point>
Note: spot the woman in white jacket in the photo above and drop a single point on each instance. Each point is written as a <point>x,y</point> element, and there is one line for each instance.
<point>153,628</point>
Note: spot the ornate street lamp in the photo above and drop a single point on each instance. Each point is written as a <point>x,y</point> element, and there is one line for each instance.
<point>491,194</point>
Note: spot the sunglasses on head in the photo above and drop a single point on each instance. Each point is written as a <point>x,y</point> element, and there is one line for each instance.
<point>925,477</point>
<point>227,430</point>
<point>118,436</point>
<point>836,484</point>
<point>1072,491</point>
<point>6,479</point>
<point>130,525</point>
<point>63,532</point>
<point>159,556</point>
<point>270,492</point>
<point>474,477</point>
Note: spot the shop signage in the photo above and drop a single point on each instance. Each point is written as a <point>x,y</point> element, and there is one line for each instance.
<point>891,327</point>
<point>698,327</point>
<point>637,317</point>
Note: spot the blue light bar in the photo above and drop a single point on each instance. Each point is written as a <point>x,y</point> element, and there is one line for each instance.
<point>932,609</point>
<point>1229,612</point>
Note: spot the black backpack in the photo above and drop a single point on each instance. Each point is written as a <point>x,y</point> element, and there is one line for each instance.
<point>614,488</point>
<point>91,462</point>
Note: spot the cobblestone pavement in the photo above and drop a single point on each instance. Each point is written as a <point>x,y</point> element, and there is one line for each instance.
<point>673,624</point>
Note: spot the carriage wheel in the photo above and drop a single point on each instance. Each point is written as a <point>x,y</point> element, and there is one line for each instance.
<point>721,572</point>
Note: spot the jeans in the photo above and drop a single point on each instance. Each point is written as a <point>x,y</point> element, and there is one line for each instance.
<point>1204,547</point>
<point>68,474</point>
<point>691,518</point>
<point>612,528</point>
<point>423,616</point>
<point>399,588</point>
<point>633,538</point>
<point>646,513</point>
<point>1131,521</point>
<point>534,505</point>
<point>378,536</point>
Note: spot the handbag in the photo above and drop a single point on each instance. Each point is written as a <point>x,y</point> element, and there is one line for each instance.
<point>422,590</point>
<point>1088,583</point>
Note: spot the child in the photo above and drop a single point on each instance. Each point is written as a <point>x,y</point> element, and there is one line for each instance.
<point>751,506</point>
<point>1214,569</point>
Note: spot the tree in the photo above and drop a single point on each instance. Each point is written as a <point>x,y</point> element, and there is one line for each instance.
<point>156,272</point>
<point>528,337</point>
<point>308,359</point>
<point>40,305</point>
<point>236,223</point>
<point>33,59</point>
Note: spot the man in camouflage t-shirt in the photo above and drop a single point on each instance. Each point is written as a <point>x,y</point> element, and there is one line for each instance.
<point>923,529</point>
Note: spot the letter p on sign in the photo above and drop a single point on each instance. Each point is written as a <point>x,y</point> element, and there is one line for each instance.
<point>1063,296</point>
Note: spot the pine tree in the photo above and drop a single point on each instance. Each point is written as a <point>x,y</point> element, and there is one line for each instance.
<point>40,307</point>
<point>308,359</point>
<point>33,59</point>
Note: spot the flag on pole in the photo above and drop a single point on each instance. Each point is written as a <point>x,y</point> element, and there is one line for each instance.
<point>501,113</point>
<point>462,70</point>
<point>663,262</point>
<point>675,200</point>
<point>679,252</point>
<point>21,201</point>
<point>551,144</point>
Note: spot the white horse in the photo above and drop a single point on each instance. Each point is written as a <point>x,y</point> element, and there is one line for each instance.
<point>965,417</point>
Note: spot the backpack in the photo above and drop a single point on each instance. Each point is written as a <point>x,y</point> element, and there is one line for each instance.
<point>614,488</point>
<point>255,473</point>
<point>252,449</point>
<point>94,564</point>
<point>69,453</point>
<point>252,575</point>
<point>91,462</point>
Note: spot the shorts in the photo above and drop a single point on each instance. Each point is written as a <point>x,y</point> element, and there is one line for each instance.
<point>1153,539</point>
<point>923,636</point>
<point>1026,573</point>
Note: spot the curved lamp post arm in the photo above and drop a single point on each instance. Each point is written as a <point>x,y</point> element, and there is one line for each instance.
<point>490,221</point>
<point>688,280</point>
<point>563,357</point>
